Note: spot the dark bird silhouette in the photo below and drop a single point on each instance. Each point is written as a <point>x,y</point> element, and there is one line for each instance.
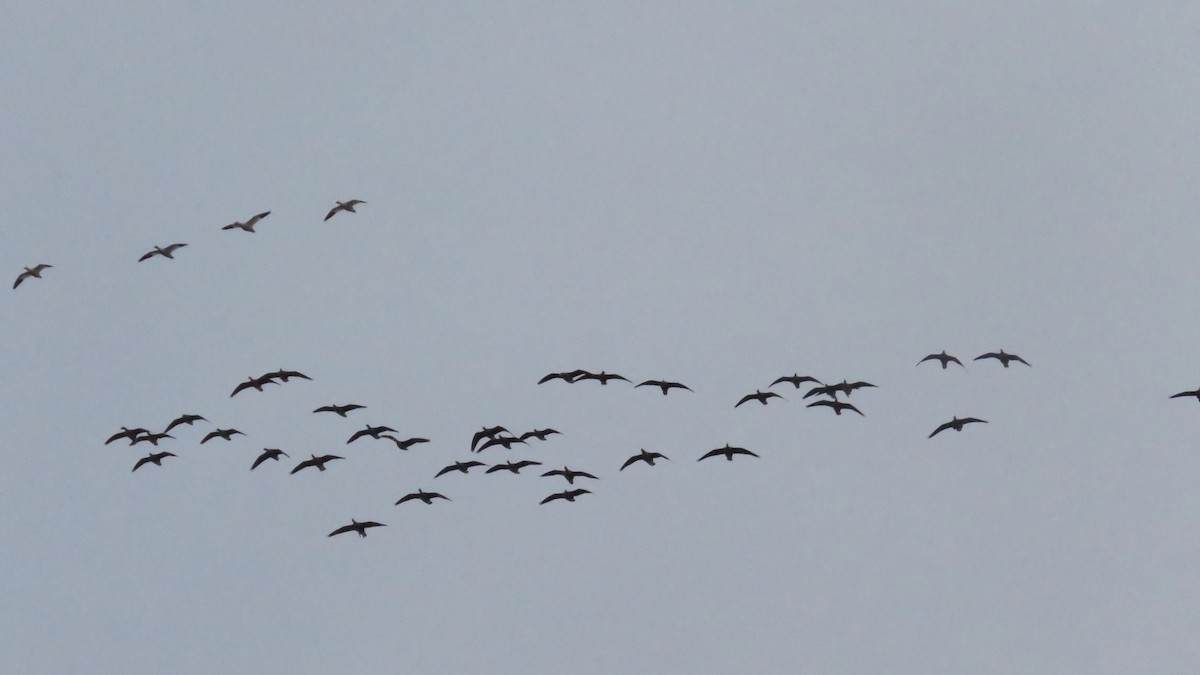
<point>838,406</point>
<point>164,251</point>
<point>569,474</point>
<point>126,432</point>
<point>944,358</point>
<point>796,380</point>
<point>35,272</point>
<point>184,419</point>
<point>514,467</point>
<point>226,434</point>
<point>760,396</point>
<point>268,453</point>
<point>318,462</point>
<point>569,495</point>
<point>426,497</point>
<point>248,226</point>
<point>728,452</point>
<point>255,382</point>
<point>355,526</point>
<point>956,424</point>
<point>464,467</point>
<point>664,385</point>
<point>506,441</point>
<point>339,409</point>
<point>487,432</point>
<point>155,458</point>
<point>373,432</point>
<point>832,390</point>
<point>602,376</point>
<point>150,438</point>
<point>566,376</point>
<point>282,374</point>
<point>405,444</point>
<point>1002,357</point>
<point>1182,394</point>
<point>644,456</point>
<point>539,434</point>
<point>344,206</point>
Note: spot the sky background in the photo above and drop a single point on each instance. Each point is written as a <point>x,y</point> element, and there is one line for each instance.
<point>714,193</point>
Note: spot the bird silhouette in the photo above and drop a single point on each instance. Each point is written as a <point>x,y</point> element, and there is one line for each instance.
<point>373,432</point>
<point>837,406</point>
<point>253,382</point>
<point>184,419</point>
<point>164,251</point>
<point>832,390</point>
<point>506,441</point>
<point>539,434</point>
<point>318,462</point>
<point>569,474</point>
<point>956,424</point>
<point>514,467</point>
<point>355,526</point>
<point>150,438</point>
<point>339,409</point>
<point>1182,394</point>
<point>795,380</point>
<point>463,467</point>
<point>426,497</point>
<point>268,453</point>
<point>405,444</point>
<point>226,434</point>
<point>664,385</point>
<point>644,456</point>
<point>247,226</point>
<point>344,206</point>
<point>282,374</point>
<point>565,376</point>
<point>126,432</point>
<point>1002,357</point>
<point>944,358</point>
<point>602,376</point>
<point>155,458</point>
<point>760,396</point>
<point>487,432</point>
<point>568,495</point>
<point>35,272</point>
<point>727,452</point>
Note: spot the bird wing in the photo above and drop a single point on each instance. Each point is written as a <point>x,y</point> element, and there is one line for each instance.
<point>258,217</point>
<point>941,428</point>
<point>147,256</point>
<point>712,453</point>
<point>745,398</point>
<point>554,472</point>
<point>209,436</point>
<point>334,210</point>
<point>241,386</point>
<point>343,529</point>
<point>556,495</point>
<point>1017,358</point>
<point>1187,393</point>
<point>524,463</point>
<point>408,497</point>
<point>303,465</point>
<point>968,420</point>
<point>326,408</point>
<point>141,461</point>
<point>850,406</point>
<point>579,491</point>
<point>20,277</point>
<point>585,475</point>
<point>452,467</point>
<point>261,458</point>
<point>631,460</point>
<point>989,355</point>
<point>553,376</point>
<point>357,435</point>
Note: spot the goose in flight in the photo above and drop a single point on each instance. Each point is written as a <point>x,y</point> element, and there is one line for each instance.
<point>838,406</point>
<point>664,385</point>
<point>1002,357</point>
<point>487,432</point>
<point>154,458</point>
<point>282,374</point>
<point>318,462</point>
<point>944,358</point>
<point>760,396</point>
<point>256,382</point>
<point>268,453</point>
<point>568,377</point>
<point>184,419</point>
<point>339,409</point>
<point>224,434</point>
<point>539,434</point>
<point>569,474</point>
<point>344,206</point>
<point>35,272</point>
<point>247,226</point>
<point>126,432</point>
<point>568,495</point>
<point>506,441</point>
<point>956,424</point>
<point>602,376</point>
<point>796,380</point>
<point>464,467</point>
<point>405,444</point>
<point>728,452</point>
<point>150,438</point>
<point>832,390</point>
<point>514,467</point>
<point>644,456</point>
<point>164,251</point>
<point>355,526</point>
<point>426,497</point>
<point>373,432</point>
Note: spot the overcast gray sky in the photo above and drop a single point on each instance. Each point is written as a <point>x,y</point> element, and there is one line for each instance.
<point>714,193</point>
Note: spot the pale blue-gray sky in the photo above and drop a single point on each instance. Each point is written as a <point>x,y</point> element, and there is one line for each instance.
<point>718,193</point>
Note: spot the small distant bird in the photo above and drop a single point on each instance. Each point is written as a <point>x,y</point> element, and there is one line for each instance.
<point>282,374</point>
<point>268,453</point>
<point>1002,357</point>
<point>956,424</point>
<point>1182,394</point>
<point>506,441</point>
<point>152,439</point>
<point>539,434</point>
<point>255,382</point>
<point>514,467</point>
<point>405,444</point>
<point>355,526</point>
<point>728,452</point>
<point>155,458</point>
<point>339,409</point>
<point>164,251</point>
<point>832,390</point>
<point>426,497</point>
<point>373,432</point>
<point>464,467</point>
<point>566,376</point>
<point>644,456</point>
<point>760,396</point>
<point>664,385</point>
<point>184,419</point>
<point>796,380</point>
<point>248,226</point>
<point>225,434</point>
<point>569,474</point>
<point>318,462</point>
<point>344,206</point>
<point>126,432</point>
<point>569,495</point>
<point>35,271</point>
<point>602,376</point>
<point>944,358</point>
<point>487,432</point>
<point>838,406</point>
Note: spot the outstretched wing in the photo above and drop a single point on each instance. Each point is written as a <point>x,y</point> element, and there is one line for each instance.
<point>941,428</point>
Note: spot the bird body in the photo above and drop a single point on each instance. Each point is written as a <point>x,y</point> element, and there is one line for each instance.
<point>1003,357</point>
<point>154,458</point>
<point>35,272</point>
<point>224,434</point>
<point>355,526</point>
<point>569,474</point>
<point>956,424</point>
<point>796,380</point>
<point>944,358</point>
<point>268,453</point>
<point>426,497</point>
<point>463,467</point>
<point>539,434</point>
<point>837,406</point>
<point>601,376</point>
<point>568,495</point>
<point>164,251</point>
<point>256,382</point>
<point>344,206</point>
<point>664,385</point>
<point>184,419</point>
<point>318,462</point>
<point>506,441</point>
<point>644,456</point>
<point>760,396</point>
<point>150,438</point>
<point>487,432</point>
<point>514,467</point>
<point>727,452</point>
<point>282,374</point>
<point>341,410</point>
<point>126,432</point>
<point>247,226</point>
<point>373,432</point>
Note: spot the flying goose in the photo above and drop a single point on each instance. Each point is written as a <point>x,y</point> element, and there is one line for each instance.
<point>512,466</point>
<point>569,495</point>
<point>184,419</point>
<point>35,271</point>
<point>944,358</point>
<point>539,434</point>
<point>728,452</point>
<point>248,226</point>
<point>464,467</point>
<point>506,441</point>
<point>155,458</point>
<point>150,438</point>
<point>126,432</point>
<point>956,424</point>
<point>344,206</point>
<point>339,409</point>
<point>1002,357</point>
<point>569,377</point>
<point>405,444</point>
<point>760,396</point>
<point>602,376</point>
<point>255,382</point>
<point>373,432</point>
<point>318,462</point>
<point>268,453</point>
<point>355,526</point>
<point>838,406</point>
<point>796,380</point>
<point>282,374</point>
<point>224,434</point>
<point>644,456</point>
<point>487,432</point>
<point>569,474</point>
<point>664,385</point>
<point>426,497</point>
<point>164,251</point>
